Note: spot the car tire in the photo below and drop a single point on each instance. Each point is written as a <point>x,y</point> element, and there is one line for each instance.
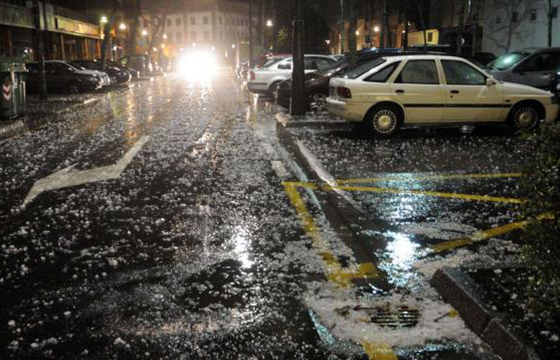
<point>384,120</point>
<point>273,88</point>
<point>316,102</point>
<point>524,117</point>
<point>73,88</point>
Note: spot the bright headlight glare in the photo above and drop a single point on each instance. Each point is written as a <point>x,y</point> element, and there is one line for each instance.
<point>198,66</point>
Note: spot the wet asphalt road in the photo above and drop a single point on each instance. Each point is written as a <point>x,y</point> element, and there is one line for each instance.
<point>193,252</point>
<point>189,247</point>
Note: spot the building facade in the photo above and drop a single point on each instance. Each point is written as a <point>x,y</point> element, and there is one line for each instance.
<point>517,24</point>
<point>68,35</point>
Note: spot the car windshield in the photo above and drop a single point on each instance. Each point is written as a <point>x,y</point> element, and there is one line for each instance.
<point>362,69</point>
<point>333,67</point>
<point>506,61</point>
<point>77,66</point>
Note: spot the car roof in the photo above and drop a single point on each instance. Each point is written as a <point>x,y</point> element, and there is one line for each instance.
<point>423,56</point>
<point>535,50</point>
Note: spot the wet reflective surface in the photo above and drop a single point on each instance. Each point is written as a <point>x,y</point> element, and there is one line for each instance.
<point>197,250</point>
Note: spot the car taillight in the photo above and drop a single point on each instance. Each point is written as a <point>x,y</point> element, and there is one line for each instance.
<point>344,93</point>
<point>252,75</point>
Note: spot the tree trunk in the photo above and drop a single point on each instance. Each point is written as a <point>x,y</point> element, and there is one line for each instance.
<point>406,27</point>
<point>460,27</point>
<point>423,24</point>
<point>107,35</point>
<point>274,21</point>
<point>134,28</point>
<point>342,28</point>
<point>263,24</point>
<point>550,23</point>
<point>385,33</point>
<point>251,50</point>
<point>352,38</point>
<point>299,100</point>
<point>39,38</point>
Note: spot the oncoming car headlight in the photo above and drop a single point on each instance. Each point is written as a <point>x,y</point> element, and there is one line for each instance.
<point>199,66</point>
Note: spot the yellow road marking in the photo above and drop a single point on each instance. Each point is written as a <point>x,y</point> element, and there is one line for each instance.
<point>430,177</point>
<point>486,234</point>
<point>379,351</point>
<point>432,193</point>
<point>333,269</point>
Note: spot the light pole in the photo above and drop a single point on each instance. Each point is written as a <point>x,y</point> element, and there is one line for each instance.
<point>342,28</point>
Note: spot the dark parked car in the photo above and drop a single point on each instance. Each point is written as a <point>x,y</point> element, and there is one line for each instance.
<point>62,78</point>
<point>142,63</point>
<point>317,83</point>
<point>133,72</point>
<point>533,67</point>
<point>121,76</point>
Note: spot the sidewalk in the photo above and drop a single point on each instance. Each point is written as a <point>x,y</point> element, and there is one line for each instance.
<point>38,112</point>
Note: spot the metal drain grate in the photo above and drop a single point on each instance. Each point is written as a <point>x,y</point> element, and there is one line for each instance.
<point>399,317</point>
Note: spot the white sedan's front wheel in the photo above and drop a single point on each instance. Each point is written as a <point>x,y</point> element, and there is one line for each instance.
<point>385,120</point>
<point>524,118</point>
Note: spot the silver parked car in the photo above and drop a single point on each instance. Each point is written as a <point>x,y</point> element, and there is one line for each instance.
<point>533,67</point>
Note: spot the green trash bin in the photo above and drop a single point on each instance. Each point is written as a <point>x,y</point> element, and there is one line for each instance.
<point>12,92</point>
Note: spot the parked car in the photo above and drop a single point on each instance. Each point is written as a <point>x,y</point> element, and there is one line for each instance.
<point>133,72</point>
<point>265,80</point>
<point>142,63</point>
<point>434,90</point>
<point>62,77</point>
<point>105,80</point>
<point>534,67</point>
<point>120,76</point>
<point>317,83</point>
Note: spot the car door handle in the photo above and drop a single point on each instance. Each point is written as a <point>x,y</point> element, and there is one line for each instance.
<point>399,91</point>
<point>455,91</point>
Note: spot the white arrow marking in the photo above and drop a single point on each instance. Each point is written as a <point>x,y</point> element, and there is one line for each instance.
<point>67,178</point>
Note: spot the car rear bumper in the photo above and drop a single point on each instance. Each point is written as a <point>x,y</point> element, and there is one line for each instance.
<point>341,109</point>
<point>552,113</point>
<point>257,88</point>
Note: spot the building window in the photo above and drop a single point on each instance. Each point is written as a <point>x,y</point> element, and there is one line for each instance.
<point>179,37</point>
<point>146,24</point>
<point>430,37</point>
<point>193,21</point>
<point>554,12</point>
<point>514,16</point>
<point>170,37</point>
<point>498,19</point>
<point>533,14</point>
<point>178,22</point>
<point>169,22</point>
<point>220,20</point>
<point>206,36</point>
<point>193,35</point>
<point>205,20</point>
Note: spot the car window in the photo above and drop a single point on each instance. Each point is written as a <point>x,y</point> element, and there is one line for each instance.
<point>323,64</point>
<point>309,63</point>
<point>460,73</point>
<point>362,69</point>
<point>540,62</point>
<point>285,65</point>
<point>382,75</point>
<point>419,72</point>
<point>507,61</point>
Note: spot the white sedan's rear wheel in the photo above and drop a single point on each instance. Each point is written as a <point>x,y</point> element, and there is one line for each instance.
<point>385,120</point>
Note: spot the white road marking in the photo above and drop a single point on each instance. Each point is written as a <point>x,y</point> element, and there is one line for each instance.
<point>67,178</point>
<point>279,169</point>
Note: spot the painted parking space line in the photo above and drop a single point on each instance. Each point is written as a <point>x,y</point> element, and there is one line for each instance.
<point>333,269</point>
<point>483,235</point>
<point>432,193</point>
<point>431,177</point>
<point>377,351</point>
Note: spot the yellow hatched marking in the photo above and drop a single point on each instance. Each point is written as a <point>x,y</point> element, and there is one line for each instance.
<point>429,193</point>
<point>333,269</point>
<point>431,177</point>
<point>379,351</point>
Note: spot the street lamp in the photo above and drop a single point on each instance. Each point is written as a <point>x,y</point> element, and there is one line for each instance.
<point>103,20</point>
<point>376,29</point>
<point>269,23</point>
<point>122,26</point>
<point>165,36</point>
<point>144,32</point>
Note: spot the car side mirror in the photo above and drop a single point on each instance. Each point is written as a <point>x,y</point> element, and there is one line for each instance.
<point>491,81</point>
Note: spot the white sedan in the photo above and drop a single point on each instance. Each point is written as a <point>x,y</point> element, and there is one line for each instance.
<point>431,90</point>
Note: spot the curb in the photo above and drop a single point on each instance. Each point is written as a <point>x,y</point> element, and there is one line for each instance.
<point>346,220</point>
<point>289,122</point>
<point>459,290</point>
